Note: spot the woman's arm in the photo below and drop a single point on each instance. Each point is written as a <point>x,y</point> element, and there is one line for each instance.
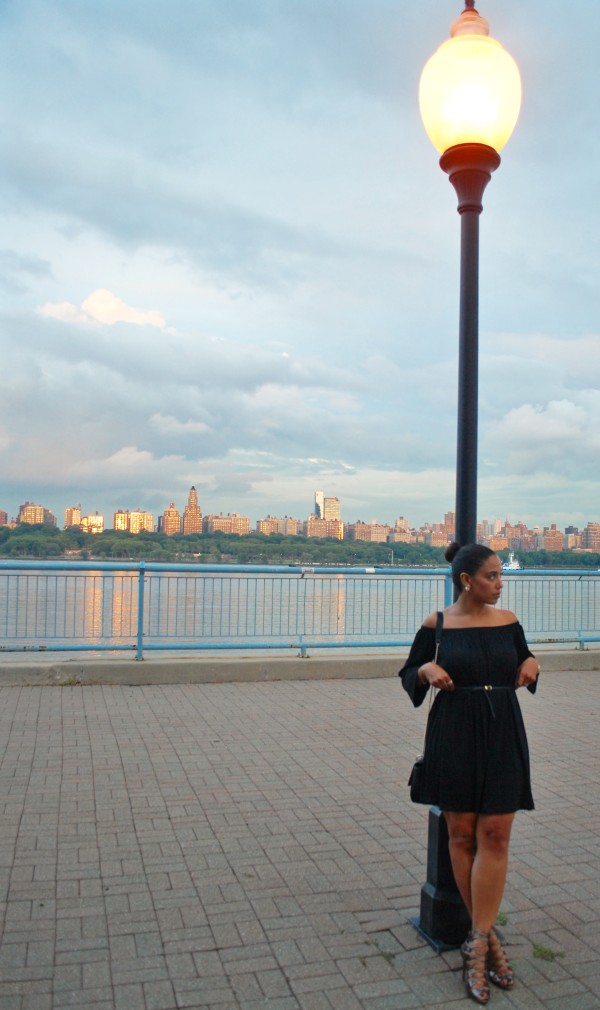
<point>420,671</point>
<point>435,676</point>
<point>529,669</point>
<point>528,673</point>
<point>422,650</point>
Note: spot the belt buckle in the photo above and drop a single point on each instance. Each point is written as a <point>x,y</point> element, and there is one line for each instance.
<point>488,687</point>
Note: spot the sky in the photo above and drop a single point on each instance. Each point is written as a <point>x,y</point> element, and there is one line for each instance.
<point>229,259</point>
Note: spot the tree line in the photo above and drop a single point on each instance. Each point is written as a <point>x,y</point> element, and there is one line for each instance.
<point>27,541</point>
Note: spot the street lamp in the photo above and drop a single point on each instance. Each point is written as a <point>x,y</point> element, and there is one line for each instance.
<point>469,96</point>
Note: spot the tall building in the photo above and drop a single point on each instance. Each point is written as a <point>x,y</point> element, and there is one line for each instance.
<point>92,524</point>
<point>371,532</point>
<point>401,533</point>
<point>572,538</point>
<point>315,527</point>
<point>590,537</point>
<point>498,542</point>
<point>231,523</point>
<point>436,537</point>
<point>519,537</point>
<point>171,520</point>
<point>72,516</point>
<point>34,514</point>
<point>267,526</point>
<point>290,527</point>
<point>139,521</point>
<point>192,516</point>
<point>449,525</point>
<point>120,520</point>
<point>287,526</point>
<point>30,513</point>
<point>3,518</point>
<point>553,539</point>
<point>326,507</point>
<point>133,522</point>
<point>331,508</point>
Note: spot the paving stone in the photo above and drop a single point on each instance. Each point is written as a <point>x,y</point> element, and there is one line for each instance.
<point>81,1004</point>
<point>252,847</point>
<point>246,987</point>
<point>159,995</point>
<point>37,1001</point>
<point>129,997</point>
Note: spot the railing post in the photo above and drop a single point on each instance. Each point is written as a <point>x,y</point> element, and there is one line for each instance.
<point>448,594</point>
<point>302,647</point>
<point>139,652</point>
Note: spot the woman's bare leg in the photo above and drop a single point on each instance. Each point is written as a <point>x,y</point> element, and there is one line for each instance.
<point>488,873</point>
<point>478,845</point>
<point>462,839</point>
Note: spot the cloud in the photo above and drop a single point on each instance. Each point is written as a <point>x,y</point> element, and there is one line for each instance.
<point>64,311</point>
<point>256,174</point>
<point>128,467</point>
<point>170,425</point>
<point>104,308</point>
<point>18,272</point>
<point>559,438</point>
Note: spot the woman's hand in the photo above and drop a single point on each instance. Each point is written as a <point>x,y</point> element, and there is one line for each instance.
<point>436,676</point>
<point>528,672</point>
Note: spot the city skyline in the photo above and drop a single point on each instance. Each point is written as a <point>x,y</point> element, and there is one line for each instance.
<point>191,518</point>
<point>236,265</point>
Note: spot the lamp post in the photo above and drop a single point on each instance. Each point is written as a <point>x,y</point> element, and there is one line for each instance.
<point>469,97</point>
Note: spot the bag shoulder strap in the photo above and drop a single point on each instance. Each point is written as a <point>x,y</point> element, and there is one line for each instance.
<point>438,633</point>
<point>439,626</point>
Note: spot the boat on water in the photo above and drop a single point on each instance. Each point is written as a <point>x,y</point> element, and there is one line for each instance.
<point>512,565</point>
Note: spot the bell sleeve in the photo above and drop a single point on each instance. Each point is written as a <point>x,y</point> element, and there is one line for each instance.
<point>422,651</point>
<point>523,652</point>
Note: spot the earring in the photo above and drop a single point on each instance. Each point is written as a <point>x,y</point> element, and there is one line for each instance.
<point>467,588</point>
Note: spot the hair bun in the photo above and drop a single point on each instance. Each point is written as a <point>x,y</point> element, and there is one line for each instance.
<point>451,551</point>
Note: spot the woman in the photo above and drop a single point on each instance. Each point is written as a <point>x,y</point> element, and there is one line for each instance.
<point>476,756</point>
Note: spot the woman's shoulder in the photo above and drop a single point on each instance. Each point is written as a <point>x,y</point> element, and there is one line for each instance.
<point>505,617</point>
<point>498,618</point>
<point>495,618</point>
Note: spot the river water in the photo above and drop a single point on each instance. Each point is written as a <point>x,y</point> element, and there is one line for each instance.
<point>38,607</point>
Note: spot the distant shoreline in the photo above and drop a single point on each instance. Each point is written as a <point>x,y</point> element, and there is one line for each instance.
<point>32,543</point>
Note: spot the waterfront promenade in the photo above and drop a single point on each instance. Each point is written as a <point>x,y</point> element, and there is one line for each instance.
<point>251,846</point>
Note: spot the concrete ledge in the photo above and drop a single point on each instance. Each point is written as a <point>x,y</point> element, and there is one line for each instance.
<point>202,669</point>
<point>196,670</point>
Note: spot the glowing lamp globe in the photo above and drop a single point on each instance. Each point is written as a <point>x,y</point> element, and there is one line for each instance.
<point>470,89</point>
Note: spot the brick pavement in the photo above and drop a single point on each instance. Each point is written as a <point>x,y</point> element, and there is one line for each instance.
<point>251,847</point>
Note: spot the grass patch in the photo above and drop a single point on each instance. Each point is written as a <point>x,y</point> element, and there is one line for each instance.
<point>387,955</point>
<point>502,918</point>
<point>546,953</point>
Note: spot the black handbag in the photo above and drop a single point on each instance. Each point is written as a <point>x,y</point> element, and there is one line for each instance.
<point>416,779</point>
<point>417,774</point>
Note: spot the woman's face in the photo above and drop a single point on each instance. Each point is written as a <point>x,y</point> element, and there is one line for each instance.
<point>486,584</point>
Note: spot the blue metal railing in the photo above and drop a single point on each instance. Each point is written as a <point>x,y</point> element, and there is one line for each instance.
<point>144,606</point>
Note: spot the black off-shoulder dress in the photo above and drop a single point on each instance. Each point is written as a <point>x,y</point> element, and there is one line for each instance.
<point>476,753</point>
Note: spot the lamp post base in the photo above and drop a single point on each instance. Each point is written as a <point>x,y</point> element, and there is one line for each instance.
<point>443,921</point>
